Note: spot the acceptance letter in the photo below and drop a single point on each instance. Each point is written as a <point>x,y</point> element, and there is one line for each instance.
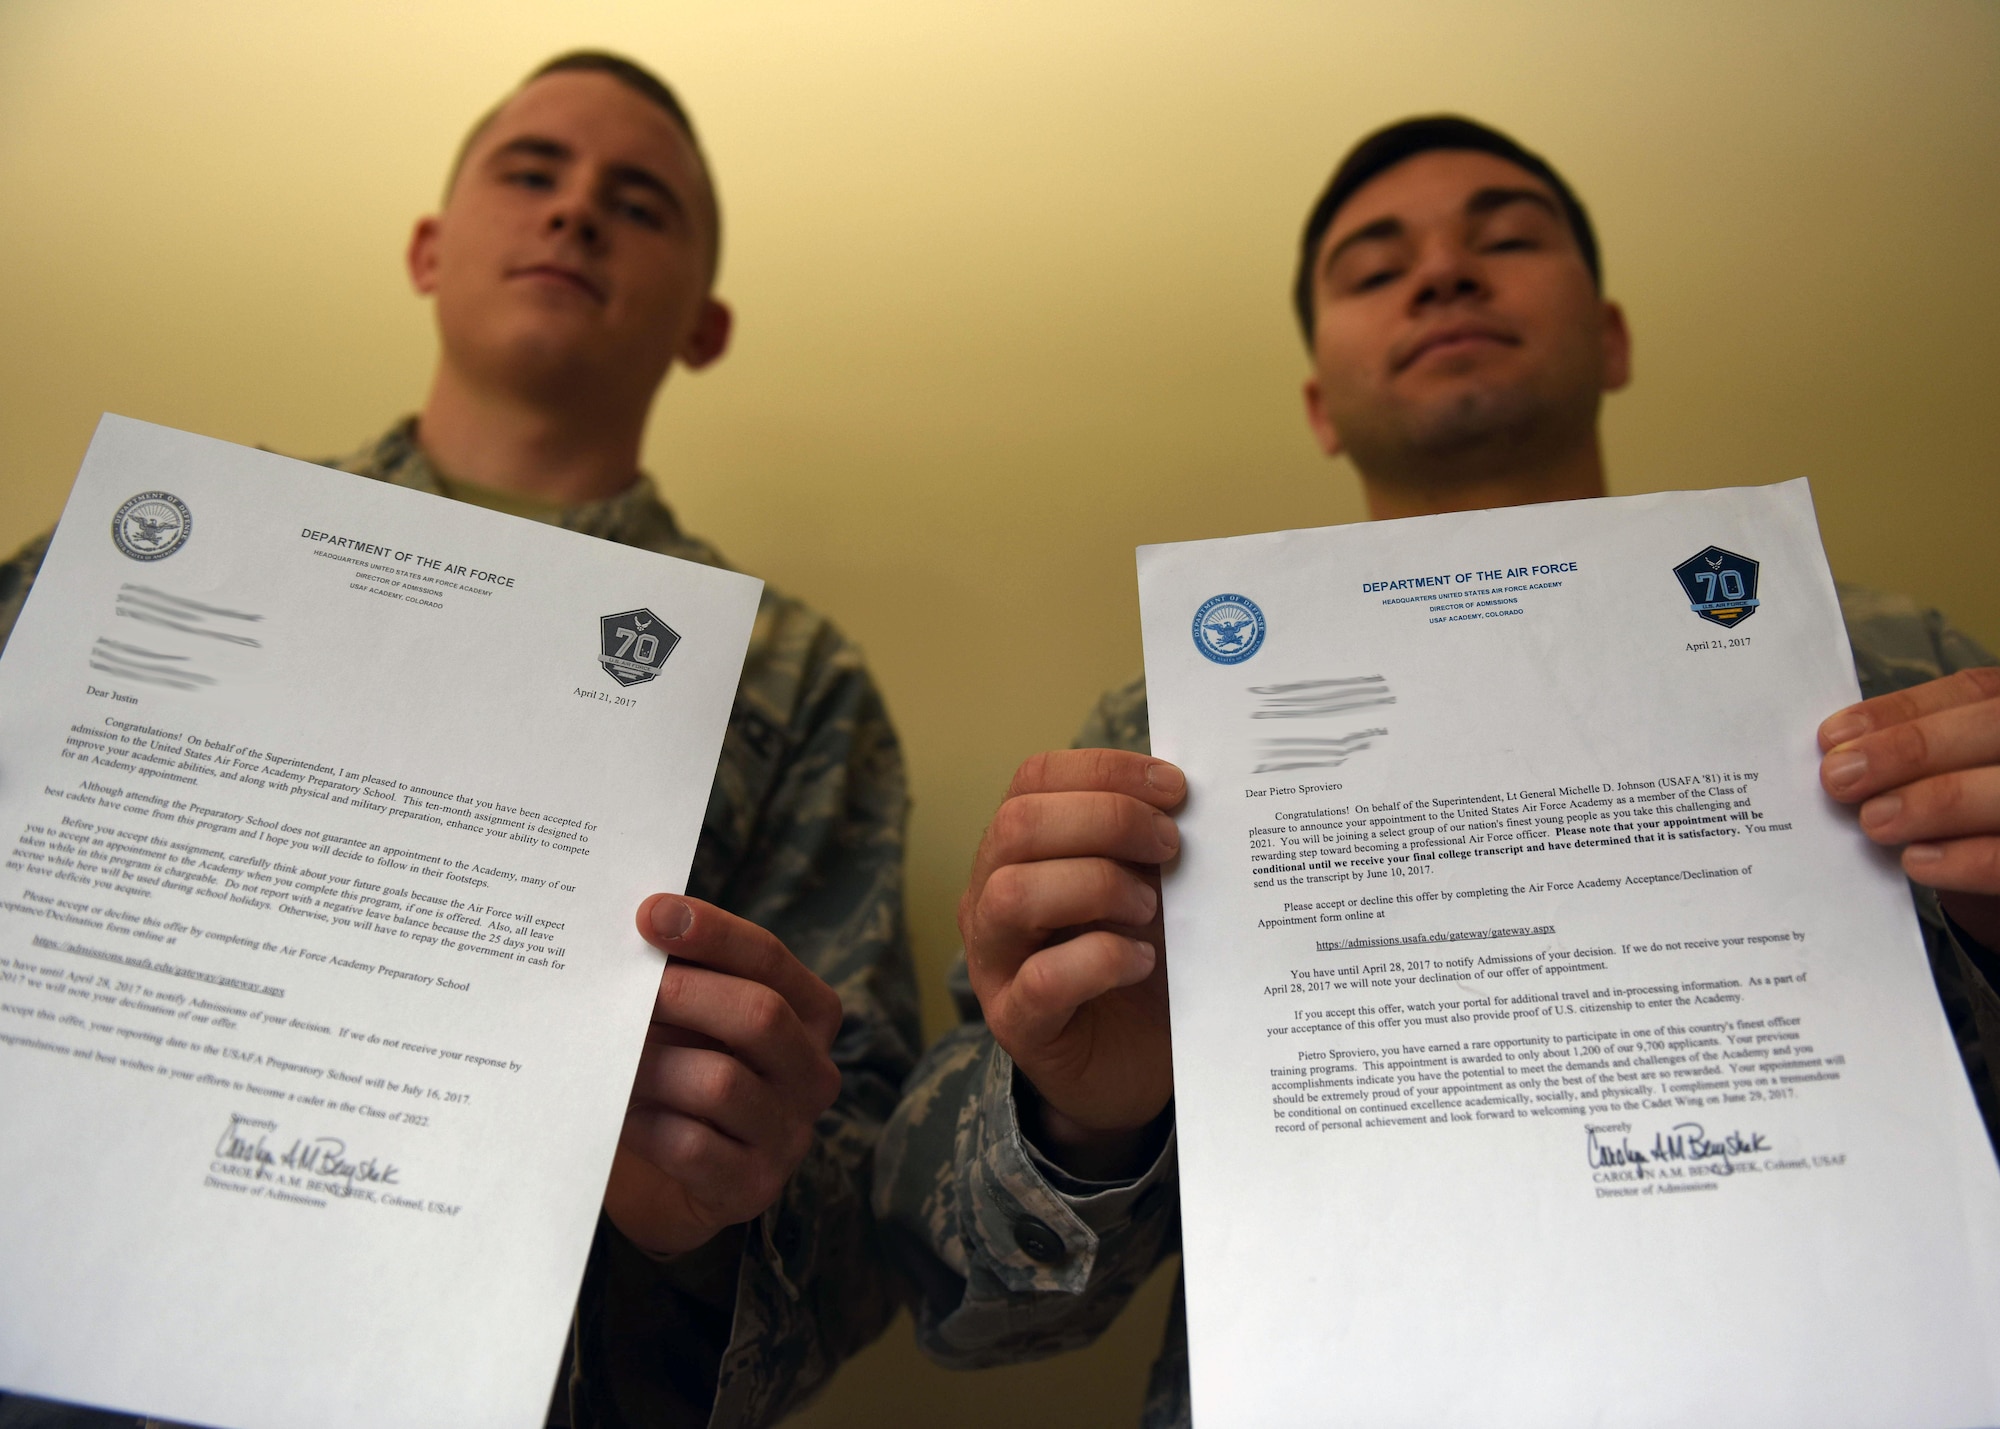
<point>326,808</point>
<point>1549,1049</point>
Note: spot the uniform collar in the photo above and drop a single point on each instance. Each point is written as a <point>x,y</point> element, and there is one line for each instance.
<point>634,517</point>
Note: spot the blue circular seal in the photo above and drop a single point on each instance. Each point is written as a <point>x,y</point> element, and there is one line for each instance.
<point>1228,629</point>
<point>152,526</point>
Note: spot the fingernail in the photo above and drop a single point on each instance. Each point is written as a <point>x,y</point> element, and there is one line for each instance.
<point>1165,779</point>
<point>671,916</point>
<point>1922,855</point>
<point>1879,811</point>
<point>1842,727</point>
<point>1152,904</point>
<point>1147,953</point>
<point>1844,768</point>
<point>1166,831</point>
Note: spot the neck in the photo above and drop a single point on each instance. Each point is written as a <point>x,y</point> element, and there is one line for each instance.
<point>503,441</point>
<point>1573,476</point>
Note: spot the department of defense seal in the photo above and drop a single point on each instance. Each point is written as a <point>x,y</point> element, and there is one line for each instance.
<point>152,526</point>
<point>1228,629</point>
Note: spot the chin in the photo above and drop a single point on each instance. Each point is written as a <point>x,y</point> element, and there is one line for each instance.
<point>1476,419</point>
<point>536,367</point>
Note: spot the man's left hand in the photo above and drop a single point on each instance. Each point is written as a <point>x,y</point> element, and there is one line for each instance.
<point>735,1071</point>
<point>1924,765</point>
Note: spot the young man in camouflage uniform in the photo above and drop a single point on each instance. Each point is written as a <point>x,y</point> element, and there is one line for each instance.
<point>733,1268</point>
<point>1449,292</point>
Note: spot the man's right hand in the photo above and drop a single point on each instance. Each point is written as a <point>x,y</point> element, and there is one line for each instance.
<point>1063,940</point>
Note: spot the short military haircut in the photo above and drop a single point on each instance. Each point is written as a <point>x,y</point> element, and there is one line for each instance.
<point>1386,148</point>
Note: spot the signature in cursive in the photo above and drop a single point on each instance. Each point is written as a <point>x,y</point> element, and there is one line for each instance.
<point>1686,1141</point>
<point>327,1156</point>
<point>247,1142</point>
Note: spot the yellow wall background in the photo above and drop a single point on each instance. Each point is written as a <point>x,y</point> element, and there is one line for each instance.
<point>1011,282</point>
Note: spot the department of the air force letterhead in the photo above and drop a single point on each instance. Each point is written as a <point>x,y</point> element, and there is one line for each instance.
<point>329,804</point>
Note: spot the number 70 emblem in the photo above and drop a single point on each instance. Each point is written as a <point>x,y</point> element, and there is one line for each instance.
<point>1721,586</point>
<point>633,645</point>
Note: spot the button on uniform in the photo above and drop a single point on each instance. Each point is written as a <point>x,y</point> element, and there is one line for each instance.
<point>1038,1242</point>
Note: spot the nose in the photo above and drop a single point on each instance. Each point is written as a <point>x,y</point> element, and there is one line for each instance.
<point>576,219</point>
<point>1446,272</point>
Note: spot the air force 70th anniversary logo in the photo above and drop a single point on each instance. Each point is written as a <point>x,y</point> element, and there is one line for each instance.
<point>1228,629</point>
<point>152,526</point>
<point>1721,586</point>
<point>633,645</point>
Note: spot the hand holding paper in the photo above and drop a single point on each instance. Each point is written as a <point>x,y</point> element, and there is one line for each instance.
<point>1924,765</point>
<point>734,1074</point>
<point>1064,942</point>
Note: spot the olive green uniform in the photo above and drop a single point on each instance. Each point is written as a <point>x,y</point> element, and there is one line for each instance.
<point>804,836</point>
<point>1011,1259</point>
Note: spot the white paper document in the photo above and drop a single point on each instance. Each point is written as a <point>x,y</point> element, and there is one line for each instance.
<point>1549,1049</point>
<point>327,807</point>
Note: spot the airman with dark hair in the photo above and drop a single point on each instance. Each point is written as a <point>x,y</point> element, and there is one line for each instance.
<point>1450,292</point>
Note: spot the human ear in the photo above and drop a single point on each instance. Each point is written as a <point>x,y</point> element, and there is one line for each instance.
<point>421,257</point>
<point>1617,341</point>
<point>1320,420</point>
<point>710,336</point>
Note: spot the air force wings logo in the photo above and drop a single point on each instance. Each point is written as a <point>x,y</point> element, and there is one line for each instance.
<point>633,645</point>
<point>152,526</point>
<point>1720,585</point>
<point>1228,629</point>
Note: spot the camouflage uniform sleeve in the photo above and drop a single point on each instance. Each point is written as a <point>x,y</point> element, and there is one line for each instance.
<point>17,577</point>
<point>1897,644</point>
<point>805,837</point>
<point>1007,1257</point>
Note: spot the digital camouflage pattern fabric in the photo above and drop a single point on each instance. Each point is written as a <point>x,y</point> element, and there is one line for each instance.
<point>803,835</point>
<point>969,1204</point>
